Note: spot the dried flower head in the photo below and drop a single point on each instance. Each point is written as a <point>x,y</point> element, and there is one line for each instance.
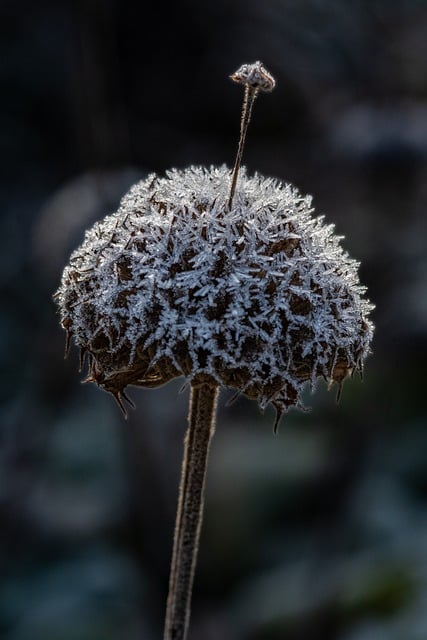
<point>260,297</point>
<point>254,75</point>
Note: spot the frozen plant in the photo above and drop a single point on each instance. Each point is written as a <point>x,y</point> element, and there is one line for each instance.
<point>225,279</point>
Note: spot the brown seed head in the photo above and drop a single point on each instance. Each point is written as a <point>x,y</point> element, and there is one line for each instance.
<point>261,298</point>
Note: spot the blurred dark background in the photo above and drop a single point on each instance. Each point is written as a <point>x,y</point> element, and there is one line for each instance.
<point>318,533</point>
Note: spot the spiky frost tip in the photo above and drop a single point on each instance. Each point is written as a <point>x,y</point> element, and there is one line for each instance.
<point>260,297</point>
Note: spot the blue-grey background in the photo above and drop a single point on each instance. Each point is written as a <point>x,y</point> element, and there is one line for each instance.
<point>318,533</point>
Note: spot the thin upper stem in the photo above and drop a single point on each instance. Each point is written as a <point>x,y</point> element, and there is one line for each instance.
<point>248,101</point>
<point>201,427</point>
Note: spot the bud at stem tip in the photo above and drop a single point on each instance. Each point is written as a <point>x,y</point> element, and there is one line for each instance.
<point>256,78</point>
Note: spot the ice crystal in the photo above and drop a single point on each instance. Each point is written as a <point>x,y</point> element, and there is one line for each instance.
<point>262,298</point>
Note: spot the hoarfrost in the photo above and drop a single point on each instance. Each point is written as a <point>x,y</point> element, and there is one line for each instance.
<point>261,297</point>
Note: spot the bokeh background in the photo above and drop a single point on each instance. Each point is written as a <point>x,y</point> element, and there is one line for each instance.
<point>320,532</point>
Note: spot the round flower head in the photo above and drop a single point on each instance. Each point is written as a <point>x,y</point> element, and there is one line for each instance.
<point>259,297</point>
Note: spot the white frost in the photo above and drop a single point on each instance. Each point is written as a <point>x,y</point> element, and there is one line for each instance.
<point>278,272</point>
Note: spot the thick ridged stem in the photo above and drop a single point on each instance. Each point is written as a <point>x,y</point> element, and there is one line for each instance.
<point>201,427</point>
<point>248,101</point>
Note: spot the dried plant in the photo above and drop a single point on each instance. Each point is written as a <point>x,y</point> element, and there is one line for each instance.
<point>225,279</point>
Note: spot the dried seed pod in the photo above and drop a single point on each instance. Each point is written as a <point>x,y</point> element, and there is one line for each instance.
<point>254,75</point>
<point>261,297</point>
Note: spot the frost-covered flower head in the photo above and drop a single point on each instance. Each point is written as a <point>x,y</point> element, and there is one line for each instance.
<point>259,296</point>
<point>255,76</point>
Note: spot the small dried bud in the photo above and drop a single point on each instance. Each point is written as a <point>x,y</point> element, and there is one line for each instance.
<point>255,76</point>
<point>260,297</point>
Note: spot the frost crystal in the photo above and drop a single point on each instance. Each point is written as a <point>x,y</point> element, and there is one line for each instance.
<point>262,297</point>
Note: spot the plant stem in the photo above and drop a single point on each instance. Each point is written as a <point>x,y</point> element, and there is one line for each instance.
<point>201,427</point>
<point>248,101</point>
